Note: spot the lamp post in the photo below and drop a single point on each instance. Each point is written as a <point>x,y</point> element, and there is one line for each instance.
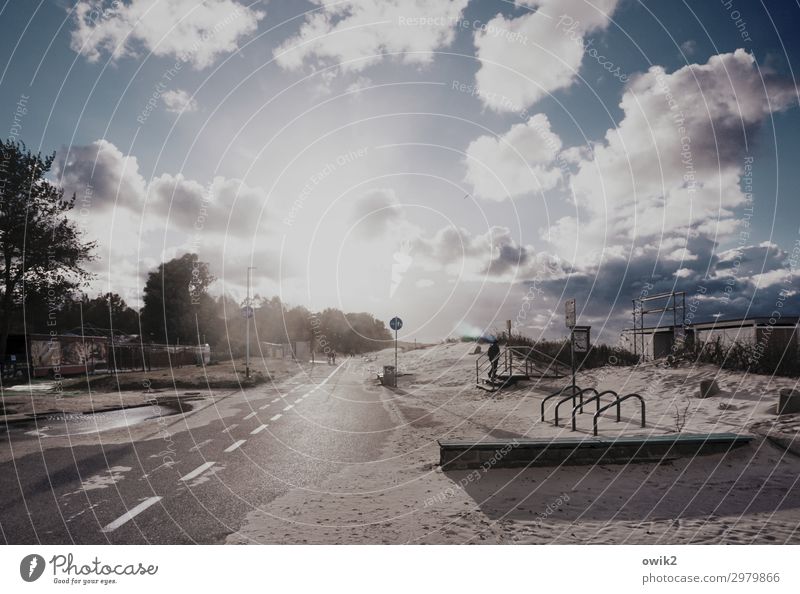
<point>248,312</point>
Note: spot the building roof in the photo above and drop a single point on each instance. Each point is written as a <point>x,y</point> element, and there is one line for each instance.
<point>782,322</point>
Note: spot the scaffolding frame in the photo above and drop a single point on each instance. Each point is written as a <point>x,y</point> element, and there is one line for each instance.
<point>673,301</point>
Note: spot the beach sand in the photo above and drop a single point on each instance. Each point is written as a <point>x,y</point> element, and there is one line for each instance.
<point>749,495</point>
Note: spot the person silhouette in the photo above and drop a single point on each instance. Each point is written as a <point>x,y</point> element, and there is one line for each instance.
<point>494,358</point>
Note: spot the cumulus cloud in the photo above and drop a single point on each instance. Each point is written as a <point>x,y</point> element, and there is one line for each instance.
<point>195,32</point>
<point>224,206</point>
<point>103,177</point>
<point>178,100</point>
<point>495,256</point>
<point>365,30</point>
<point>674,164</point>
<point>100,175</point>
<point>375,212</point>
<point>525,58</point>
<point>521,161</point>
<point>661,198</point>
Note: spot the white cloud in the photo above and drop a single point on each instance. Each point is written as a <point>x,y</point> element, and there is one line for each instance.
<point>493,256</point>
<point>103,177</point>
<point>365,30</point>
<point>100,175</point>
<point>518,162</point>
<point>375,212</point>
<point>673,165</point>
<point>525,58</point>
<point>178,100</point>
<point>195,32</point>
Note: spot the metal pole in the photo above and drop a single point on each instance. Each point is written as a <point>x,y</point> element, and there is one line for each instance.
<point>395,357</point>
<point>247,332</point>
<point>572,362</point>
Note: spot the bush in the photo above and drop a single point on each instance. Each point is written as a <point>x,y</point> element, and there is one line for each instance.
<point>770,359</point>
<point>598,355</point>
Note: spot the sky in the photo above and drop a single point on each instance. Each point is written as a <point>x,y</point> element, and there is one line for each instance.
<point>456,163</point>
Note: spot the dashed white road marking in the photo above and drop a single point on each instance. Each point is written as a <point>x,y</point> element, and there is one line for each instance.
<point>265,407</point>
<point>276,417</point>
<point>131,513</point>
<point>198,471</point>
<point>274,401</point>
<point>258,429</point>
<point>250,416</point>
<point>298,400</point>
<point>235,445</point>
<point>290,407</point>
<point>230,427</point>
<point>200,445</point>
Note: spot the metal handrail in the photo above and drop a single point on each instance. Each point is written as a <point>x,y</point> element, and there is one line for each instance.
<point>574,389</point>
<point>579,395</point>
<point>597,399</point>
<point>618,401</point>
<point>530,362</point>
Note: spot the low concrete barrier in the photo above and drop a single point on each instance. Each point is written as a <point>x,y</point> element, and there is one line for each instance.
<point>463,454</point>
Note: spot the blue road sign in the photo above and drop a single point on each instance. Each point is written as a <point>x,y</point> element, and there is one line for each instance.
<point>395,323</point>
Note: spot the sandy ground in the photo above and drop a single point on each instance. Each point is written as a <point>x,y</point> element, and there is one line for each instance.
<point>104,392</point>
<point>750,495</point>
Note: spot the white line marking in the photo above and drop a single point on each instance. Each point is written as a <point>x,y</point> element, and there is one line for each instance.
<point>229,427</point>
<point>274,401</point>
<point>291,406</point>
<point>258,429</point>
<point>276,417</point>
<point>235,445</point>
<point>265,407</point>
<point>298,400</point>
<point>200,445</point>
<point>130,514</point>
<point>198,471</point>
<point>250,416</point>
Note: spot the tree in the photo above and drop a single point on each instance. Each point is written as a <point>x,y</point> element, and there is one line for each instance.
<point>176,299</point>
<point>106,311</point>
<point>41,251</point>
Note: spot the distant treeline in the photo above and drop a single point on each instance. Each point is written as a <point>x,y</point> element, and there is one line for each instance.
<point>178,309</point>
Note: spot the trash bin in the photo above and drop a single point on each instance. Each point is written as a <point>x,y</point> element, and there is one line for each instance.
<point>389,376</point>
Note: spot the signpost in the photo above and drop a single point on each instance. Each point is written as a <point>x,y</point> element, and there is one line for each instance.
<point>581,340</point>
<point>578,337</point>
<point>395,324</point>
<point>569,313</point>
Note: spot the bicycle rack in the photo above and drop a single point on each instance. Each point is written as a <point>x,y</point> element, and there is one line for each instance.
<point>596,398</point>
<point>573,389</point>
<point>618,401</point>
<point>572,397</point>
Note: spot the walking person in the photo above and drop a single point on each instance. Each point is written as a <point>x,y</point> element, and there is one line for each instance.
<point>494,358</point>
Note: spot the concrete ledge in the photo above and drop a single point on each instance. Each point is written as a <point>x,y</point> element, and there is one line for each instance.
<point>463,454</point>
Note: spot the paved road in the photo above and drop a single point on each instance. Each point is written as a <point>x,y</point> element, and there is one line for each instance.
<point>192,477</point>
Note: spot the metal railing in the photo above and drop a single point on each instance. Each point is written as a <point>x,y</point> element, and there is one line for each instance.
<point>572,397</point>
<point>595,398</point>
<point>523,361</point>
<point>617,402</point>
<point>575,394</point>
<point>574,390</point>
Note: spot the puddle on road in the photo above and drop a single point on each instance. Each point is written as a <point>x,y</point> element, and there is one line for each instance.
<point>61,425</point>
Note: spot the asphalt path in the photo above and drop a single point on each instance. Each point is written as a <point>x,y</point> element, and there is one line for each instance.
<point>190,477</point>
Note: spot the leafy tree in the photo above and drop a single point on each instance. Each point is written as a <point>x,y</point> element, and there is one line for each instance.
<point>176,301</point>
<point>41,251</point>
<point>106,311</point>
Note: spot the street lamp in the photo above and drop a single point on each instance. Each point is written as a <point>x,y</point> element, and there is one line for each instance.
<point>248,313</point>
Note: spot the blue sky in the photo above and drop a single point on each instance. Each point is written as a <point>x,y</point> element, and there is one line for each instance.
<point>460,163</point>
